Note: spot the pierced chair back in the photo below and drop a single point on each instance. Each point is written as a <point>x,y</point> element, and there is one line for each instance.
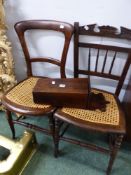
<point>20,99</point>
<point>111,55</point>
<point>65,28</point>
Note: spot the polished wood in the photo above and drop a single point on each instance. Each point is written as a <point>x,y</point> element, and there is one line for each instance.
<point>65,92</point>
<point>65,28</point>
<point>104,31</point>
<point>107,31</point>
<point>11,107</point>
<point>116,132</point>
<point>127,108</point>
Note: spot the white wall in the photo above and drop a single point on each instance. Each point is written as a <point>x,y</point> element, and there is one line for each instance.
<point>102,12</point>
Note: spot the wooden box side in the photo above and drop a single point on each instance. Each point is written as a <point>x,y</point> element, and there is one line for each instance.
<point>72,92</point>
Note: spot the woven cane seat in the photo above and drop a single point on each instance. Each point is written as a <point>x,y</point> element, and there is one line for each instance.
<point>22,94</point>
<point>110,116</point>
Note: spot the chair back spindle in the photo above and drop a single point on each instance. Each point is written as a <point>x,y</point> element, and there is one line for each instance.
<point>110,61</point>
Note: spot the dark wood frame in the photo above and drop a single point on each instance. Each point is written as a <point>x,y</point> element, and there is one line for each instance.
<point>21,27</point>
<point>116,132</point>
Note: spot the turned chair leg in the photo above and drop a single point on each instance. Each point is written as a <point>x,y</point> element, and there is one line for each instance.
<point>56,138</point>
<point>10,121</point>
<point>52,125</point>
<point>114,151</point>
<point>111,141</point>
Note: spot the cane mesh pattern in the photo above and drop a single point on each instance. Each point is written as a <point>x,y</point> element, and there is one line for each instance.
<point>22,94</point>
<point>110,116</point>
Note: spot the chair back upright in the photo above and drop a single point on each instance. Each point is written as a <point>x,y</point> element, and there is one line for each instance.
<point>65,28</point>
<point>106,54</point>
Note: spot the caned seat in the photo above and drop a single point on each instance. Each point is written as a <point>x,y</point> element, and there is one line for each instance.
<point>21,95</point>
<point>98,60</point>
<point>111,119</point>
<point>20,99</point>
<point>110,116</point>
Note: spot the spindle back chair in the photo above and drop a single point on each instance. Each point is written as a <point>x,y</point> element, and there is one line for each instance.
<point>112,120</point>
<point>107,32</point>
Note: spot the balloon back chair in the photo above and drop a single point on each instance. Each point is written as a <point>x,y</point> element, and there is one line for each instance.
<point>103,61</point>
<point>19,99</point>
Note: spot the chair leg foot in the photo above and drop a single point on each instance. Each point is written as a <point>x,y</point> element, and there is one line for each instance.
<point>56,138</point>
<point>114,151</point>
<point>10,121</point>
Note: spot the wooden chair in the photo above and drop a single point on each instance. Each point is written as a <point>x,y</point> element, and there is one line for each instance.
<point>19,99</point>
<point>112,121</point>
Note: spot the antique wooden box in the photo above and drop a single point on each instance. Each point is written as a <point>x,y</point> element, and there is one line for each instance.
<point>70,92</point>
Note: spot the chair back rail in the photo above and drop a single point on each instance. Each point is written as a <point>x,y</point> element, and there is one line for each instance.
<point>106,32</point>
<point>65,28</point>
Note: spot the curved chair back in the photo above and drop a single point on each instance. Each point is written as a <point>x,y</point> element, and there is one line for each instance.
<point>65,28</point>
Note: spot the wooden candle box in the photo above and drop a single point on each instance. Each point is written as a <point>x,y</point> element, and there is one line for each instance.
<point>69,92</point>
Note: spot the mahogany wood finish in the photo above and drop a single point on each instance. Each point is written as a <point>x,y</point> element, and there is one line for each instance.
<point>69,89</point>
<point>53,91</point>
<point>65,28</point>
<point>116,132</point>
<point>21,28</point>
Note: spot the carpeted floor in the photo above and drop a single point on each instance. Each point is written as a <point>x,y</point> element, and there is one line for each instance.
<point>73,159</point>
